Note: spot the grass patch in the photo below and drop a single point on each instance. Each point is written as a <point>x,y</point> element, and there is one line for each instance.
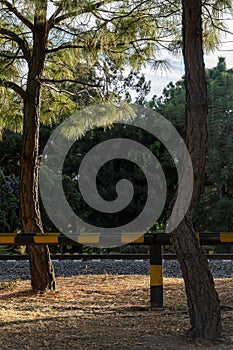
<point>7,285</point>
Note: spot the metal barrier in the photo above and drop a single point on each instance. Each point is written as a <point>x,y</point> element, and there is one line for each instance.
<point>210,238</point>
<point>153,240</point>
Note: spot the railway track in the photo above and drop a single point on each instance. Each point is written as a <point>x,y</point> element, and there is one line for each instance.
<point>110,257</point>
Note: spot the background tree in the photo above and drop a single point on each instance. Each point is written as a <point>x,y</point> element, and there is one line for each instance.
<point>214,207</point>
<point>219,161</point>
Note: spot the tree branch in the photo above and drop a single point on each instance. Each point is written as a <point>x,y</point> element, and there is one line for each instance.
<point>64,47</point>
<point>75,13</point>
<point>72,94</point>
<point>23,45</point>
<point>213,23</point>
<point>18,14</point>
<point>225,50</point>
<point>54,81</point>
<point>10,57</point>
<point>73,46</point>
<point>58,90</point>
<point>11,85</point>
<point>65,31</point>
<point>51,21</point>
<point>11,60</point>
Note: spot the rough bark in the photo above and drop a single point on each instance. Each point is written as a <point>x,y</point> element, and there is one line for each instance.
<point>42,273</point>
<point>202,298</point>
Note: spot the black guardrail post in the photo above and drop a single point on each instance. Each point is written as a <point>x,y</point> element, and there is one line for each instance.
<point>156,275</point>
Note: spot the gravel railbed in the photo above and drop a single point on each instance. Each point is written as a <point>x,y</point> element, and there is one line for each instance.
<point>12,270</point>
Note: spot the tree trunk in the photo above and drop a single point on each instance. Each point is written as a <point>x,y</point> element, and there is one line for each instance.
<point>202,298</point>
<point>42,273</point>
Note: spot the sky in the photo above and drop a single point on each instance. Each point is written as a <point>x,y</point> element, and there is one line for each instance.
<point>160,79</point>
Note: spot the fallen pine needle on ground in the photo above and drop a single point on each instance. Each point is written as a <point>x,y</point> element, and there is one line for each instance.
<point>98,312</point>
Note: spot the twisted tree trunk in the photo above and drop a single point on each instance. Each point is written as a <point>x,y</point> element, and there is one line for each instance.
<point>202,298</point>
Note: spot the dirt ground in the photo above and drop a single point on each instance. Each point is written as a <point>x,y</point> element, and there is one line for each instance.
<point>103,312</point>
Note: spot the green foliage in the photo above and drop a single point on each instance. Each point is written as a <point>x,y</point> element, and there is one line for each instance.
<point>9,183</point>
<point>9,214</point>
<point>10,148</point>
<point>9,101</point>
<point>113,171</point>
<point>172,104</point>
<point>89,44</point>
<point>213,212</point>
